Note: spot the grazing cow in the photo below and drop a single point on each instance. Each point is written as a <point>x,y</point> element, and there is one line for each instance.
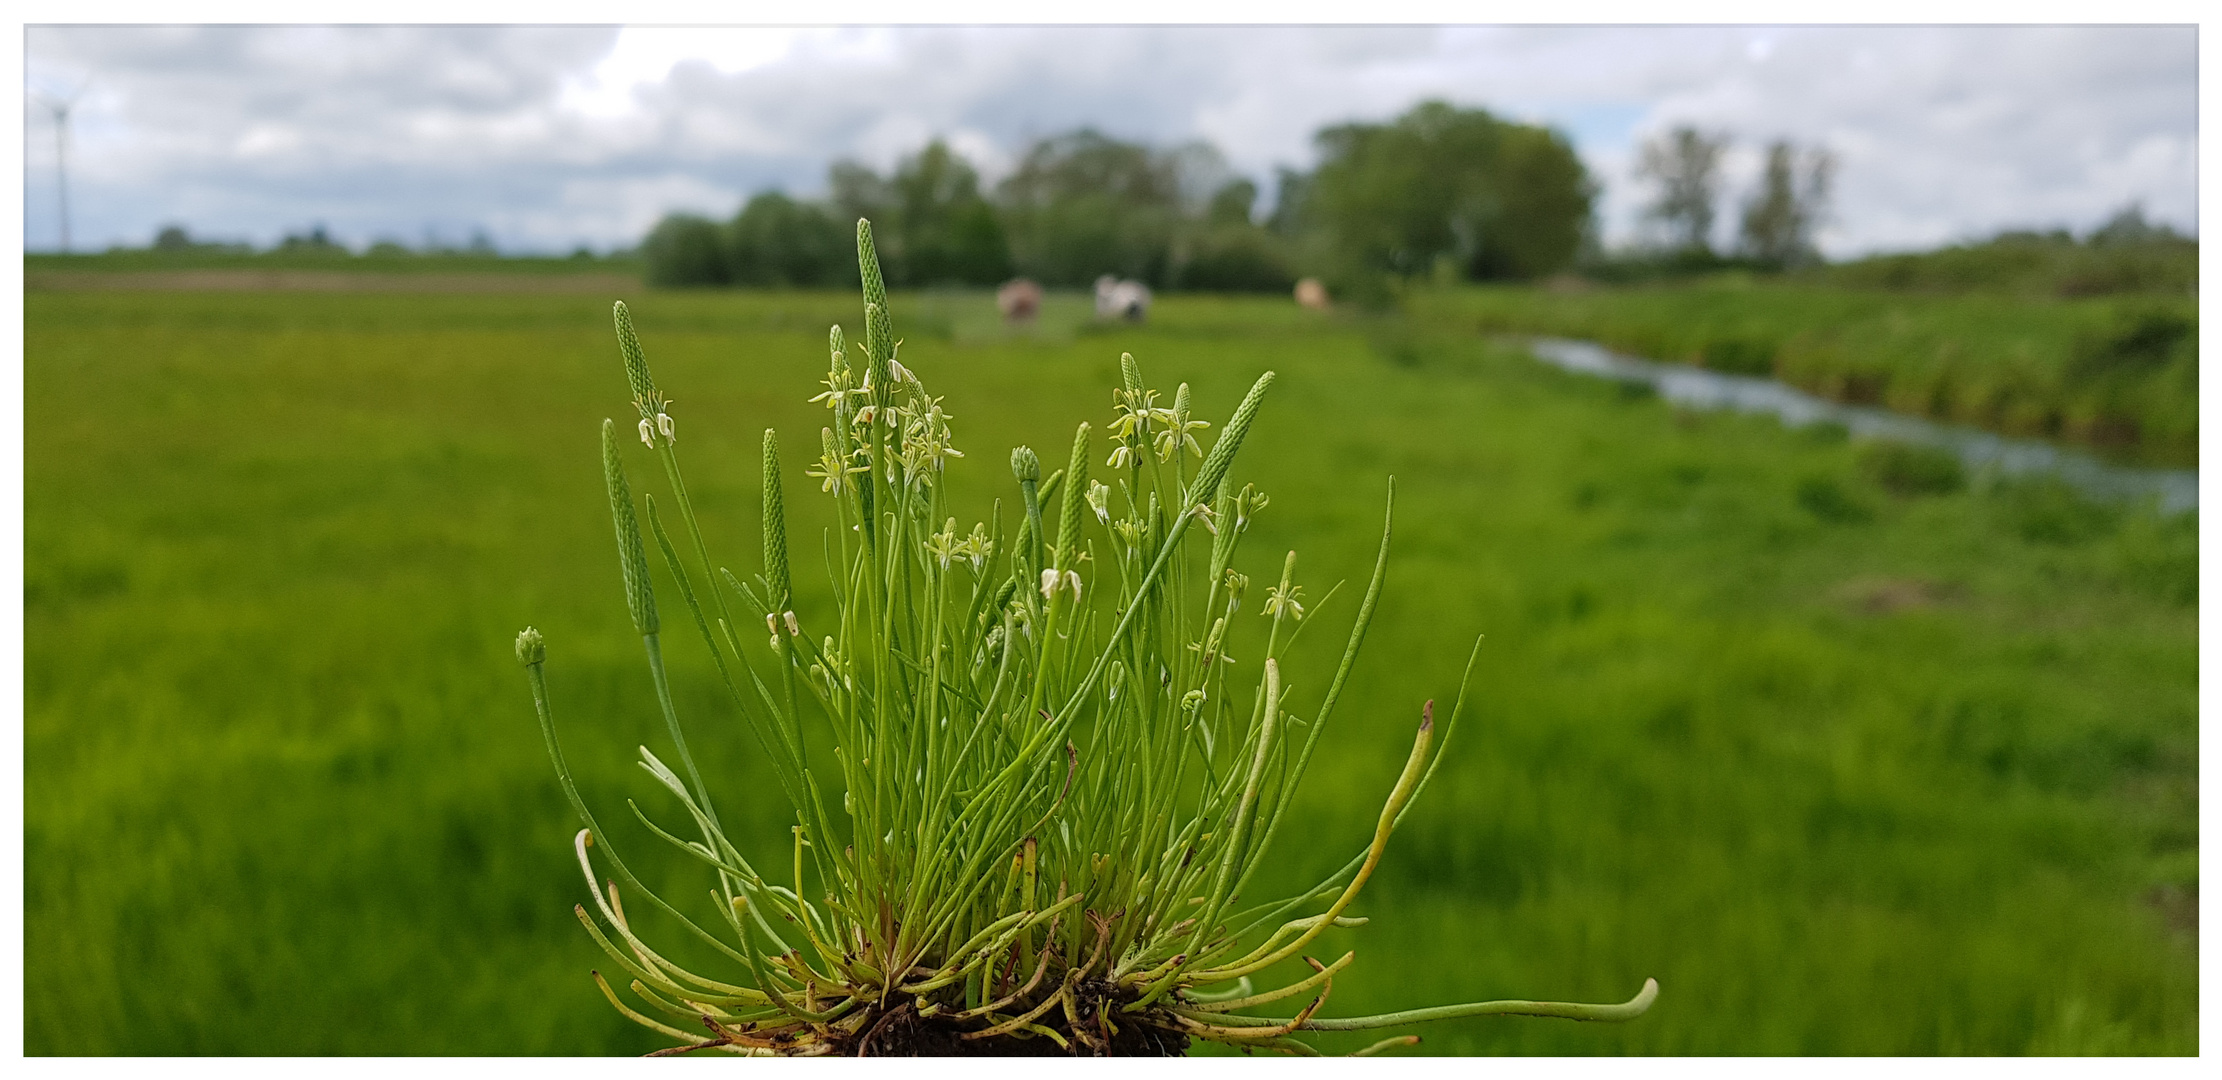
<point>1311,294</point>
<point>1019,300</point>
<point>1116,299</point>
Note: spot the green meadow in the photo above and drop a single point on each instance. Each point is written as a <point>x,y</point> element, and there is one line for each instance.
<point>1850,766</point>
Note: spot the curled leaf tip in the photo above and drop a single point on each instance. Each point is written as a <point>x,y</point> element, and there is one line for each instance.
<point>1427,715</point>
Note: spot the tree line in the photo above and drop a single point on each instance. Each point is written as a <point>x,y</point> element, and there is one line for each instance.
<point>1779,218</point>
<point>1441,191</point>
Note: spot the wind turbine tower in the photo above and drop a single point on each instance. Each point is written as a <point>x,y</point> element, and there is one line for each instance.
<point>60,107</point>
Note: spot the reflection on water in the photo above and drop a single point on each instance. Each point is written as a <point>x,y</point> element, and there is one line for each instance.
<point>2177,489</point>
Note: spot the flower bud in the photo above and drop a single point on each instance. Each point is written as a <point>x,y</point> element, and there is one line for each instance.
<point>531,649</point>
<point>1025,465</point>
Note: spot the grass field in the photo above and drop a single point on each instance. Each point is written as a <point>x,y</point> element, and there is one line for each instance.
<point>2115,372</point>
<point>1847,771</point>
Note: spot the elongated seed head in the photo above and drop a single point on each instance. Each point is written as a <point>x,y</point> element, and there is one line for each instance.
<point>636,363</point>
<point>1214,469</point>
<point>1131,373</point>
<point>868,264</point>
<point>531,648</point>
<point>775,525</point>
<point>632,557</point>
<point>1076,493</point>
<point>837,346</point>
<point>879,344</point>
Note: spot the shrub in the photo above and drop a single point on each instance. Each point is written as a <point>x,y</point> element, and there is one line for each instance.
<point>1910,469</point>
<point>1740,356</point>
<point>1826,498</point>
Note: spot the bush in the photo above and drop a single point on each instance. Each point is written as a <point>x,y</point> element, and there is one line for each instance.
<point>2045,510</point>
<point>1740,356</point>
<point>1826,498</point>
<point>1909,469</point>
<point>2139,342</point>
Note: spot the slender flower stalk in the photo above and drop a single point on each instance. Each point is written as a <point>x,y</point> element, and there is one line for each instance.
<point>1048,788</point>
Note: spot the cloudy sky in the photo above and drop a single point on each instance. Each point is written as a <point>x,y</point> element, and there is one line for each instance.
<point>550,137</point>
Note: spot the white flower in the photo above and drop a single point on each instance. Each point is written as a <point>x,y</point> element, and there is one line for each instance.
<point>1049,583</point>
<point>793,627</point>
<point>1072,581</point>
<point>1099,500</point>
<point>647,433</point>
<point>664,424</point>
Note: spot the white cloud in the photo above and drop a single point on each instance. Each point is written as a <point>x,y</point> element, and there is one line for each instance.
<point>550,136</point>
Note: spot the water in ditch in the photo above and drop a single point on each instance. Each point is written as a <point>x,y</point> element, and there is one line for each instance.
<point>1981,451</point>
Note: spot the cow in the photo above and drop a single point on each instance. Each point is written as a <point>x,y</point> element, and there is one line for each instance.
<point>1019,300</point>
<point>1116,299</point>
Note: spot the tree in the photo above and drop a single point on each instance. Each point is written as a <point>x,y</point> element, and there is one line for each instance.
<point>1686,165</point>
<point>1780,218</point>
<point>685,249</point>
<point>932,224</point>
<point>776,241</point>
<point>2128,228</point>
<point>1232,203</point>
<point>1084,204</point>
<point>1481,196</point>
<point>1224,251</point>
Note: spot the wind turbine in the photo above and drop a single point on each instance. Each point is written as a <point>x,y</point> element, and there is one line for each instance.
<point>60,107</point>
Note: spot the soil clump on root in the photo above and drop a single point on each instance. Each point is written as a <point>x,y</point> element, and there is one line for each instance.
<point>899,1031</point>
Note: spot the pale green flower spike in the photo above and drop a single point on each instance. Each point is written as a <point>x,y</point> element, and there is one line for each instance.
<point>640,598</point>
<point>1076,480</point>
<point>645,397</point>
<point>775,526</point>
<point>1030,786</point>
<point>1214,468</point>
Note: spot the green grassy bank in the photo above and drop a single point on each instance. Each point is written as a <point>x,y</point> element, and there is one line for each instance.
<point>1848,771</point>
<point>2116,372</point>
